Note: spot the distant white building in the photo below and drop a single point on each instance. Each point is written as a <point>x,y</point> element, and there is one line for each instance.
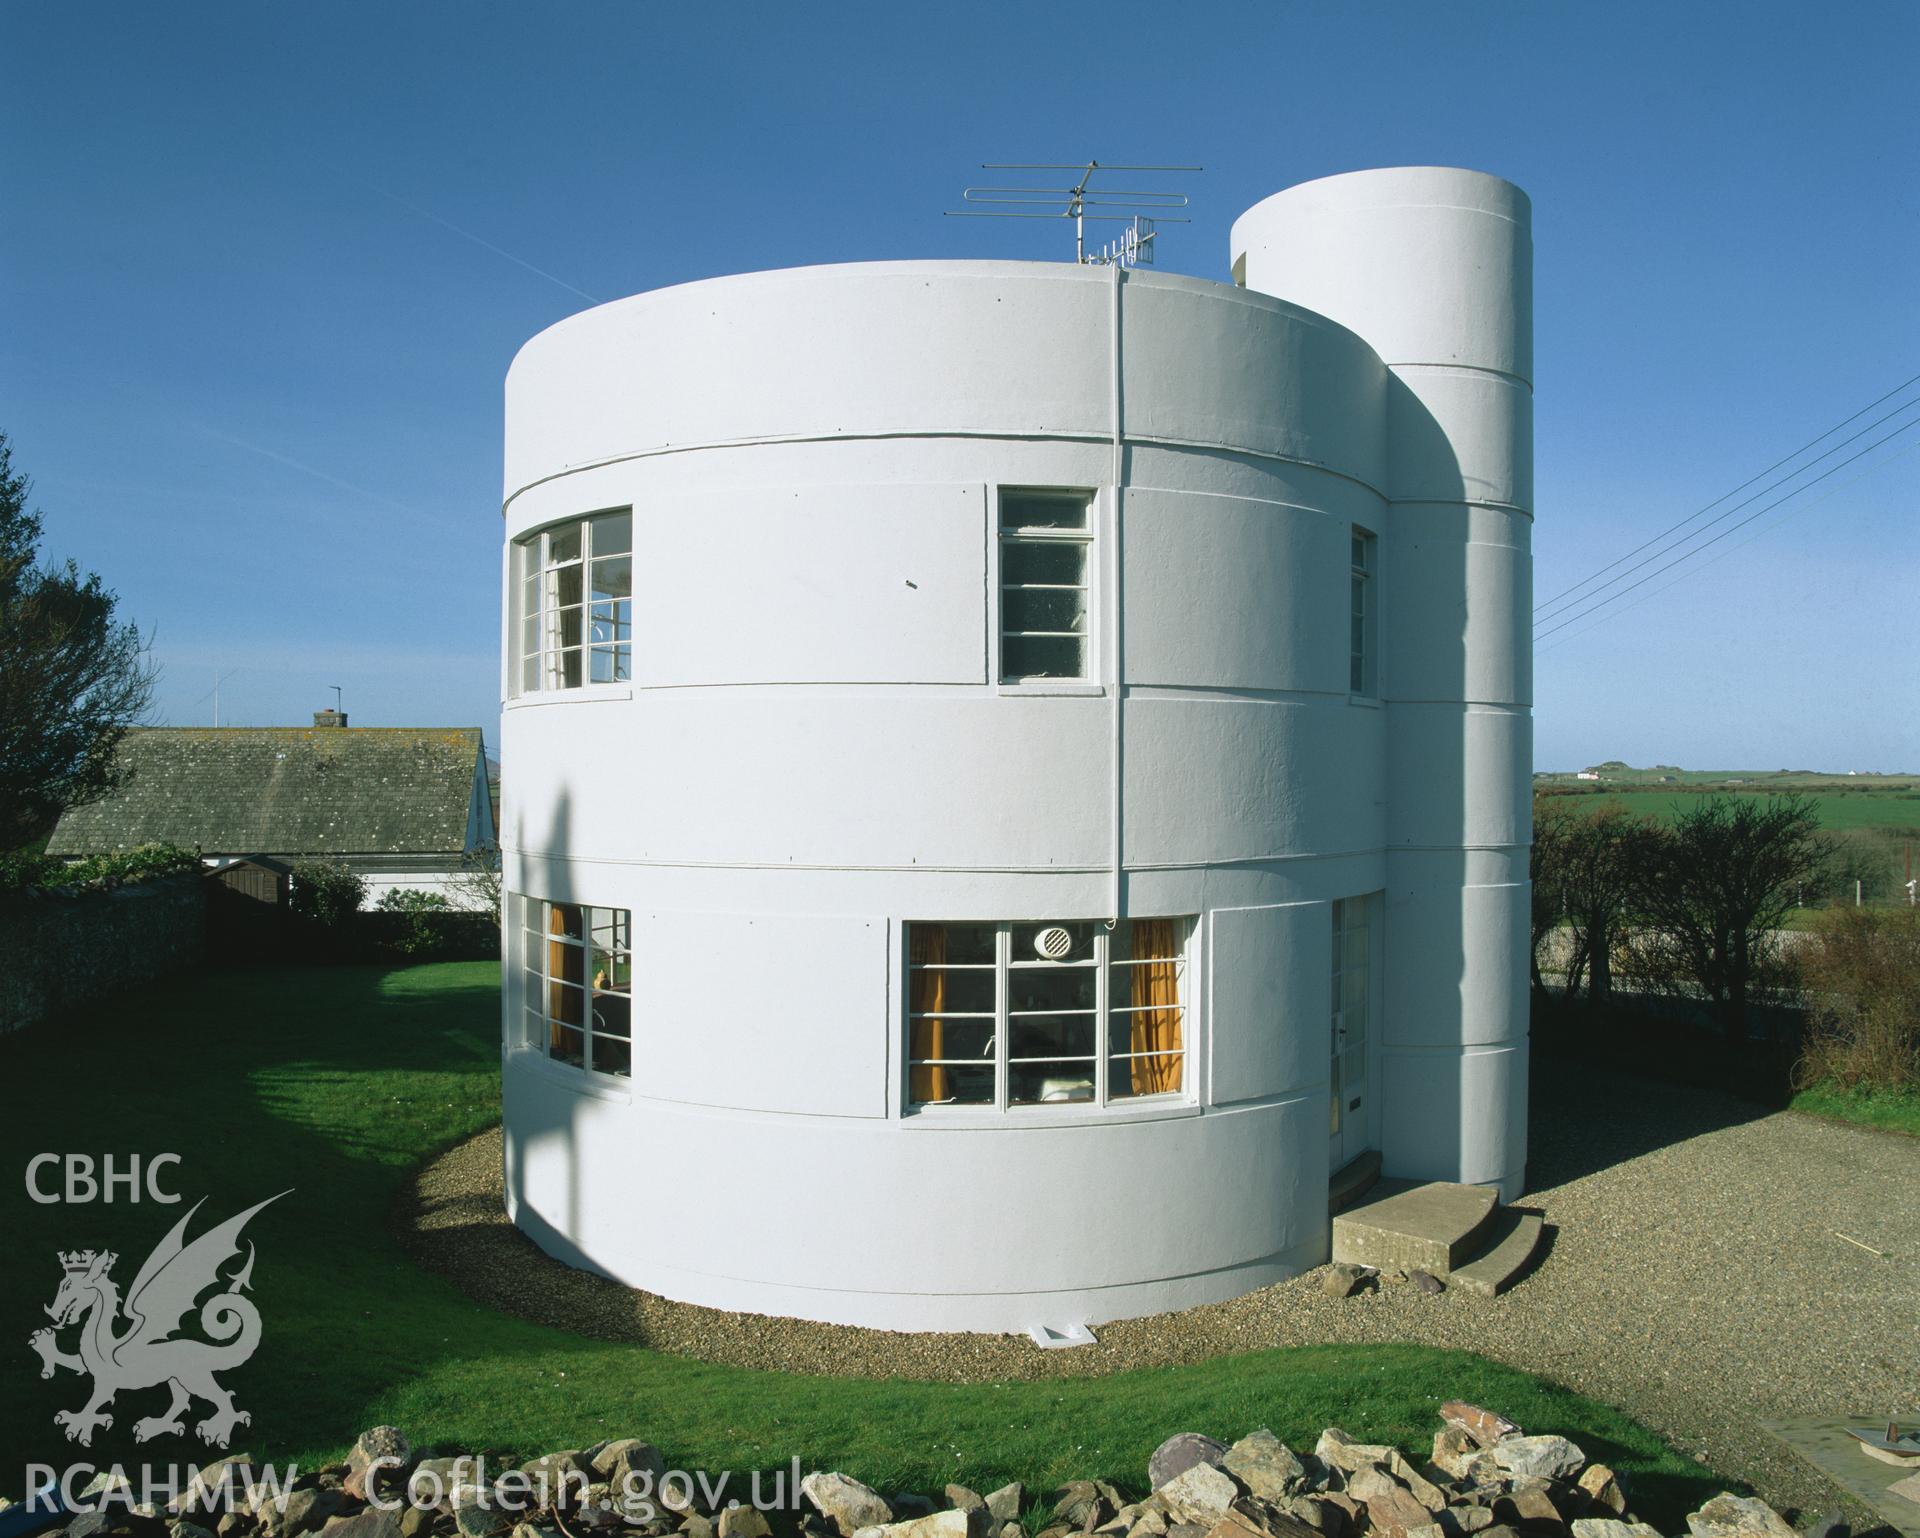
<point>1587,774</point>
<point>1021,771</point>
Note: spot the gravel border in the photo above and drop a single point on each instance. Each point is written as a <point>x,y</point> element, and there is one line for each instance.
<point>1693,1278</point>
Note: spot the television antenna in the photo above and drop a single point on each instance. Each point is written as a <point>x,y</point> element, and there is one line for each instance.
<point>1141,209</point>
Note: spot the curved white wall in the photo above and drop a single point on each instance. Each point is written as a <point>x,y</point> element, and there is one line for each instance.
<point>1434,267</point>
<point>814,752</point>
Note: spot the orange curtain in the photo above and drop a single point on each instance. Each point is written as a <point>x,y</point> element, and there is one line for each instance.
<point>1156,993</point>
<point>565,964</point>
<point>928,947</point>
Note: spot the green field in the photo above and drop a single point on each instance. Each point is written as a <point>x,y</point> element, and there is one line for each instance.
<point>338,1082</point>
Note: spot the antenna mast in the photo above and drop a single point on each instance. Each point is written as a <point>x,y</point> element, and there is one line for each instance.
<point>1132,248</point>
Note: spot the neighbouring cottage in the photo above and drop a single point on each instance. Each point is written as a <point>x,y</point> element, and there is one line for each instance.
<point>1061,792</point>
<point>404,807</point>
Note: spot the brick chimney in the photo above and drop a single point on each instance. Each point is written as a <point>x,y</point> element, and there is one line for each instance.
<point>329,718</point>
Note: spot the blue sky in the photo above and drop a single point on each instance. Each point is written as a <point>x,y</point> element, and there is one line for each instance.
<point>255,369</point>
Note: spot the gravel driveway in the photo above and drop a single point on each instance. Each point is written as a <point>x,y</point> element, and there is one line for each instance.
<point>1694,1279</point>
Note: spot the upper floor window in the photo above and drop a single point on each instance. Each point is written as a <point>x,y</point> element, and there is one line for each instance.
<point>574,602</point>
<point>1026,1014</point>
<point>1046,560</point>
<point>578,983</point>
<point>1362,642</point>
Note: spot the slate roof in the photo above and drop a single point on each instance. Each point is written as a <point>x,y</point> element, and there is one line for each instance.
<point>286,790</point>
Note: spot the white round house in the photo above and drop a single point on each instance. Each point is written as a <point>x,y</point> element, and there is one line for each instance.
<point>1017,772</point>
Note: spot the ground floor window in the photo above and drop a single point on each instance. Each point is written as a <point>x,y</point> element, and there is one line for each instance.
<point>1046,1013</point>
<point>577,983</point>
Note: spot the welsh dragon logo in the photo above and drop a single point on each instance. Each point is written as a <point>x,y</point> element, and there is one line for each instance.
<point>146,1352</point>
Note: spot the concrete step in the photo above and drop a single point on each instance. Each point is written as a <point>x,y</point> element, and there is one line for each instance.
<point>1407,1225</point>
<point>1353,1180</point>
<point>1511,1240</point>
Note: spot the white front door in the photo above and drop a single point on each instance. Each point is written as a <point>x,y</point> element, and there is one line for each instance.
<point>1351,992</point>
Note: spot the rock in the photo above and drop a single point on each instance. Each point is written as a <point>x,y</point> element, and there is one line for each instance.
<point>1421,1488</point>
<point>907,1505</point>
<point>1180,1452</point>
<point>1528,1507</point>
<point>1541,1457</point>
<point>433,1480</point>
<point>557,1476</point>
<point>613,1461</point>
<point>220,1486</point>
<point>1427,1282</point>
<point>1312,1512</point>
<point>1830,1524</point>
<point>1005,1503</point>
<point>744,1522</point>
<point>476,1514</point>
<point>846,1503</point>
<point>941,1524</point>
<point>1201,1495</point>
<point>1485,1427</point>
<point>384,1452</point>
<point>1602,1486</point>
<point>1342,1280</point>
<point>1469,1519</point>
<point>1454,1451</point>
<point>233,1524</point>
<point>1265,1465</point>
<point>374,1522</point>
<point>1607,1527</point>
<point>694,1525</point>
<point>1392,1512</point>
<point>962,1499</point>
<point>1340,1451</point>
<point>180,1527</point>
<point>1734,1516</point>
<point>1151,1523</point>
<point>415,1522</point>
<point>1012,1530</point>
<point>303,1511</point>
<point>1393,1276</point>
<point>1081,1505</point>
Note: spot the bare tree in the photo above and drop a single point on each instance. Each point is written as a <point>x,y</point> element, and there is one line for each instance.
<point>72,679</point>
<point>1719,883</point>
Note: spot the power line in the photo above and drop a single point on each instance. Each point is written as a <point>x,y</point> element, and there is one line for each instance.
<point>1575,618</point>
<point>1549,602</point>
<point>1547,611</point>
<point>1851,480</point>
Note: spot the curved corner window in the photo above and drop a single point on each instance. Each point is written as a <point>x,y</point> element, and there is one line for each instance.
<point>1023,1014</point>
<point>573,604</point>
<point>577,984</point>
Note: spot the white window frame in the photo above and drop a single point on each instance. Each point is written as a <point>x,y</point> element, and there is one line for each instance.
<point>1105,1013</point>
<point>530,564</point>
<point>1088,678</point>
<point>1363,626</point>
<point>534,982</point>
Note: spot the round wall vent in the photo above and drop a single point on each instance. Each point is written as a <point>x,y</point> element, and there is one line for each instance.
<point>1053,942</point>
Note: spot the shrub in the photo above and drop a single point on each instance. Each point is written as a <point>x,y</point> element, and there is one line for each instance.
<point>424,934</point>
<point>326,893</point>
<point>1862,973</point>
<point>23,871</point>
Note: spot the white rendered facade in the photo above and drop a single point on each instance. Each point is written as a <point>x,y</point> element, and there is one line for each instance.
<point>802,793</point>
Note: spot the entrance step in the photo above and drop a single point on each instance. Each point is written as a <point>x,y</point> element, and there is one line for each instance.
<point>1405,1225</point>
<point>1512,1239</point>
<point>1353,1180</point>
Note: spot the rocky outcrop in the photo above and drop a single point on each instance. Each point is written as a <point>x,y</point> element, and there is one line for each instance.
<point>1487,1478</point>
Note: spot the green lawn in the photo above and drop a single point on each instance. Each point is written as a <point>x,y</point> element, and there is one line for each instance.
<point>1886,1109</point>
<point>336,1082</point>
<point>1839,810</point>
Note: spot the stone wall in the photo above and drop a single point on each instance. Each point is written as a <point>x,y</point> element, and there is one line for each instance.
<point>60,952</point>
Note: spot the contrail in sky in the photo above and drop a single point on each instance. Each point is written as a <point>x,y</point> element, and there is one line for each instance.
<point>322,475</point>
<point>448,224</point>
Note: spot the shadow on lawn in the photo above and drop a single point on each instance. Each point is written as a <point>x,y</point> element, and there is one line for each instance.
<point>205,1067</point>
